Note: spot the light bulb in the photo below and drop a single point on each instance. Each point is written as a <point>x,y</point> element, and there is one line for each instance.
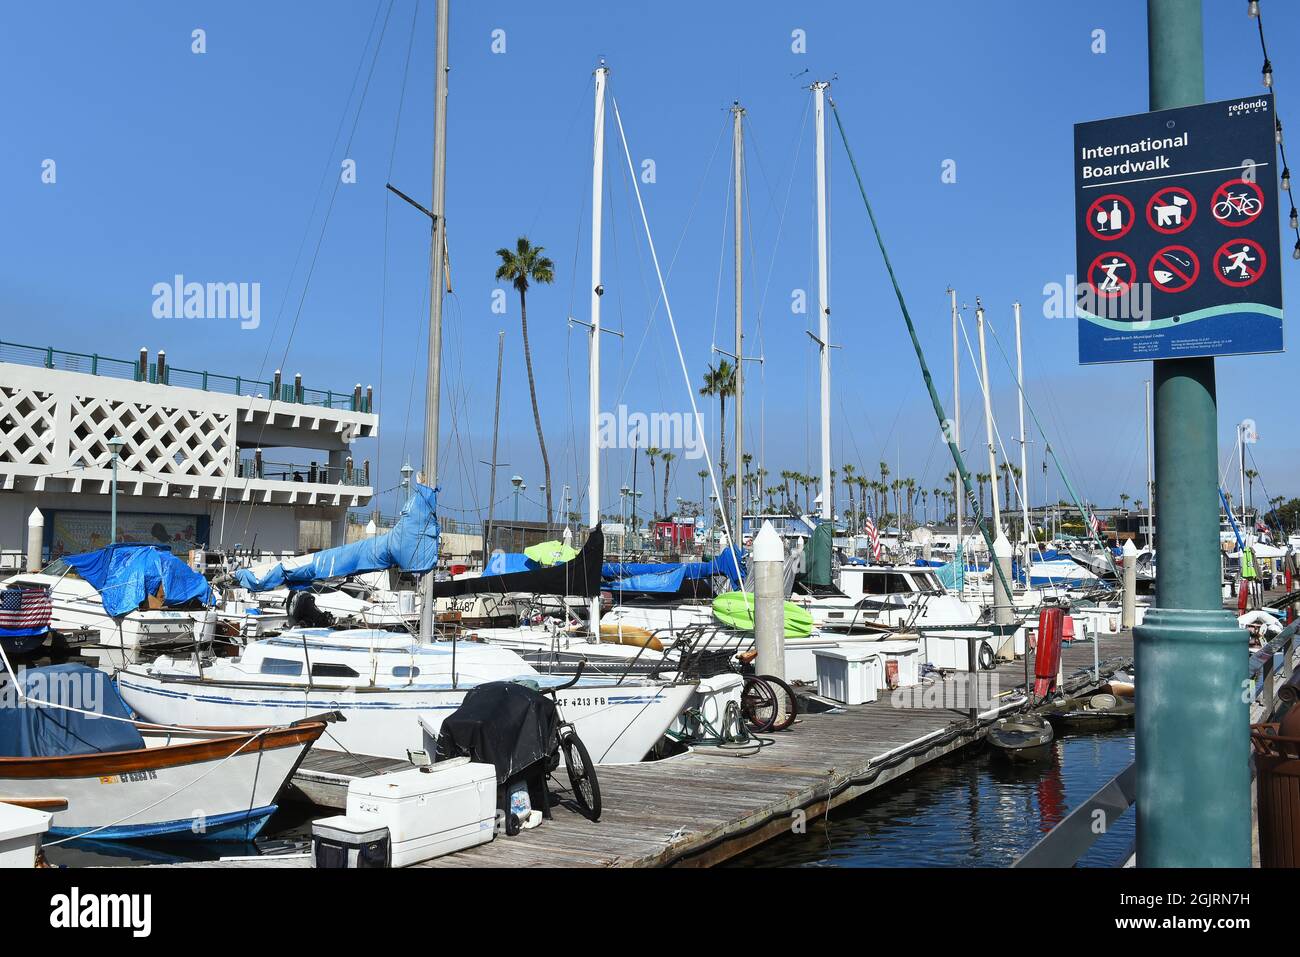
<point>1286,178</point>
<point>1253,9</point>
<point>1295,220</point>
<point>1277,134</point>
<point>1296,254</point>
<point>1268,73</point>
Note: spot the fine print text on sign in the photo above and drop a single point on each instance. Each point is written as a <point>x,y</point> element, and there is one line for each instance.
<point>1177,233</point>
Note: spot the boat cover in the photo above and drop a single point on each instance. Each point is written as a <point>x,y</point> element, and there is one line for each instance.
<point>502,723</point>
<point>28,730</point>
<point>668,577</point>
<point>411,545</point>
<point>580,576</point>
<point>817,554</point>
<point>126,573</point>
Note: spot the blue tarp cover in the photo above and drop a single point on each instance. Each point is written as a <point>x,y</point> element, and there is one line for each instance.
<point>667,577</point>
<point>507,563</point>
<point>28,730</point>
<point>125,574</point>
<point>411,545</point>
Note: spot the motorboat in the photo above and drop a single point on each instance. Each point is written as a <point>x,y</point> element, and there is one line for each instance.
<point>68,741</point>
<point>382,682</point>
<point>1021,737</point>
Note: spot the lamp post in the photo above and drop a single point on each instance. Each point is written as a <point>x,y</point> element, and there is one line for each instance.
<point>407,472</point>
<point>518,482</point>
<point>622,503</point>
<point>115,448</point>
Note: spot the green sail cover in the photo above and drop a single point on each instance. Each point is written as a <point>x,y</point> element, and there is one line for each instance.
<point>817,553</point>
<point>736,610</point>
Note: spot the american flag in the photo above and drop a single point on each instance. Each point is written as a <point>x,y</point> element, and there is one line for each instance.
<point>1094,523</point>
<point>25,609</point>
<point>870,529</point>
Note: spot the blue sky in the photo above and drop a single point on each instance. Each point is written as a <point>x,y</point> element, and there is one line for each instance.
<point>220,167</point>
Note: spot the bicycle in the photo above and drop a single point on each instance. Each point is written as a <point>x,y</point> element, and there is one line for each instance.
<point>577,760</point>
<point>1243,204</point>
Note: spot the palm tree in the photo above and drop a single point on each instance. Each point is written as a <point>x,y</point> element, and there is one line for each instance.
<point>527,263</point>
<point>653,454</point>
<point>981,479</point>
<point>720,381</point>
<point>848,485</point>
<point>1251,475</point>
<point>668,467</point>
<point>1123,500</point>
<point>703,475</point>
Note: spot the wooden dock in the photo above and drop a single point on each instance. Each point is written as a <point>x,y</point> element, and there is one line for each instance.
<point>709,805</point>
<point>702,808</point>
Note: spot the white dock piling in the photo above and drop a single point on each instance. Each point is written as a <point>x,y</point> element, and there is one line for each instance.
<point>1129,615</point>
<point>35,540</point>
<point>769,602</point>
<point>1003,612</point>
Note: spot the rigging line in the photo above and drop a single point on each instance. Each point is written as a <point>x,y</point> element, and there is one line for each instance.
<point>672,324</point>
<point>311,269</point>
<point>1069,486</point>
<point>392,156</point>
<point>979,519</point>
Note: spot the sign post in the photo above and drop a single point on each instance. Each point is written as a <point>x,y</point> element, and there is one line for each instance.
<point>1193,741</point>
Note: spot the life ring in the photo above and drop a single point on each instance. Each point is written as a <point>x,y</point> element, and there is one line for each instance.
<point>617,634</point>
<point>987,660</point>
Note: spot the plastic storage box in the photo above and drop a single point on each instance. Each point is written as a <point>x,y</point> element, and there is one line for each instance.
<point>341,842</point>
<point>448,806</point>
<point>847,674</point>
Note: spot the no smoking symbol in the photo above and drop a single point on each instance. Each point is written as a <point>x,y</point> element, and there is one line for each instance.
<point>1174,269</point>
<point>1240,262</point>
<point>1111,274</point>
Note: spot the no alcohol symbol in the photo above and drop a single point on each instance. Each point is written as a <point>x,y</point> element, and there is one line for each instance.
<point>1109,217</point>
<point>1111,274</point>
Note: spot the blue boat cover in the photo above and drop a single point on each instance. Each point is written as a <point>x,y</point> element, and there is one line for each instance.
<point>411,545</point>
<point>667,577</point>
<point>126,573</point>
<point>507,563</point>
<point>29,730</point>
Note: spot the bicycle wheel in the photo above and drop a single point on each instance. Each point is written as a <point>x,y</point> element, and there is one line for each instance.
<point>789,704</point>
<point>582,775</point>
<point>758,704</point>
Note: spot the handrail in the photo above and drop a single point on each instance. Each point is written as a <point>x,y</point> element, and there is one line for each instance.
<point>48,357</point>
<point>1066,843</point>
<point>1265,674</point>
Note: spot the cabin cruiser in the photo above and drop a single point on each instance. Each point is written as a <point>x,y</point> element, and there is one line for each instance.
<point>905,596</point>
<point>382,683</point>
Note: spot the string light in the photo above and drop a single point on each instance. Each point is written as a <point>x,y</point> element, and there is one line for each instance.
<point>1294,219</point>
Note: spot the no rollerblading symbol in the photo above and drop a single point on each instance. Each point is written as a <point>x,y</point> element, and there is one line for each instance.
<point>1240,262</point>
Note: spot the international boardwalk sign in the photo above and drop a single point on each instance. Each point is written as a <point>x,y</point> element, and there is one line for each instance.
<point>1177,237</point>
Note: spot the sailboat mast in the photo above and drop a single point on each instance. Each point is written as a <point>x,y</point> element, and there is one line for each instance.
<point>496,431</point>
<point>1024,455</point>
<point>597,290</point>
<point>988,420</point>
<point>738,152</point>
<point>956,407</point>
<point>823,295</point>
<point>437,250</point>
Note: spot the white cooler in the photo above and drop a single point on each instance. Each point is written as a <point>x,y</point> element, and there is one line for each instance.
<point>449,806</point>
<point>847,674</point>
<point>21,830</point>
<point>908,656</point>
<point>950,648</point>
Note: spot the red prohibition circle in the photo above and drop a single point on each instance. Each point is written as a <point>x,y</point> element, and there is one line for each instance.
<point>1124,286</point>
<point>1186,276</point>
<point>1099,206</point>
<point>1221,198</point>
<point>1163,207</point>
<point>1253,276</point>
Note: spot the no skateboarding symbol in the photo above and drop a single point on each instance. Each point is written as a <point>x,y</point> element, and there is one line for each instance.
<point>1171,210</point>
<point>1109,217</point>
<point>1174,269</point>
<point>1111,274</point>
<point>1240,262</point>
<point>1238,202</point>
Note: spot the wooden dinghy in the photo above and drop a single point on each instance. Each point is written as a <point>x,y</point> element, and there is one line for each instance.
<point>70,738</point>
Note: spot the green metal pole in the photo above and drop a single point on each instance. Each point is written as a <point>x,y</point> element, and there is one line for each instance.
<point>1193,730</point>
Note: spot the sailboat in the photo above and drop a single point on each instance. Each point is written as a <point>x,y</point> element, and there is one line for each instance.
<point>388,685</point>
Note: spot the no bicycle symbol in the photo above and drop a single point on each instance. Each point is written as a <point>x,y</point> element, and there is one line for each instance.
<point>1111,274</point>
<point>1174,269</point>
<point>1240,262</point>
<point>1238,202</point>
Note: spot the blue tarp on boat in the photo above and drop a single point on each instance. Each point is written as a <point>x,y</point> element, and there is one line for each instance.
<point>28,730</point>
<point>126,573</point>
<point>411,545</point>
<point>668,577</point>
<point>507,563</point>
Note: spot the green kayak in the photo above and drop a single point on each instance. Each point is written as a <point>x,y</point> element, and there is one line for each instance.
<point>736,610</point>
